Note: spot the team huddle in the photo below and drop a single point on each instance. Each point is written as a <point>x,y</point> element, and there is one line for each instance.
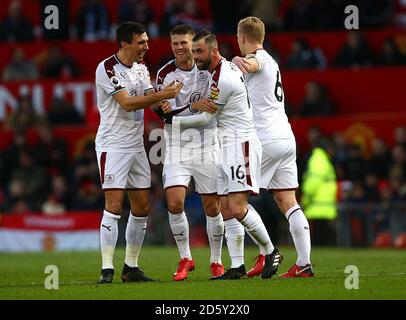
<point>231,115</point>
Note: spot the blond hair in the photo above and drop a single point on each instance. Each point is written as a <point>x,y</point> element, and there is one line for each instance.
<point>253,28</point>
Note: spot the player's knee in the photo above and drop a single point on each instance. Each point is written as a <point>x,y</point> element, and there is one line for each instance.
<point>212,209</point>
<point>175,205</point>
<point>285,201</point>
<point>114,206</point>
<point>238,210</point>
<point>142,209</point>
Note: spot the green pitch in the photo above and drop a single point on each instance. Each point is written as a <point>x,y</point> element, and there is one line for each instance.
<point>382,275</point>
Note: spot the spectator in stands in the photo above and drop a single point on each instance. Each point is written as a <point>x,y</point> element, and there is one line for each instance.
<point>140,11</point>
<point>52,207</point>
<point>24,116</point>
<point>380,158</point>
<point>59,192</point>
<point>398,164</point>
<point>20,68</point>
<point>355,52</point>
<point>32,176</point>
<point>92,21</point>
<point>371,181</point>
<point>183,12</point>
<point>385,208</point>
<point>316,101</point>
<point>400,136</point>
<point>51,152</point>
<point>88,197</point>
<point>340,154</point>
<point>192,15</point>
<point>172,9</point>
<point>390,54</point>
<point>58,64</point>
<point>355,166</point>
<point>61,111</point>
<point>267,11</point>
<point>302,56</point>
<point>12,152</point>
<point>17,201</point>
<point>15,27</point>
<point>85,166</point>
<point>319,193</point>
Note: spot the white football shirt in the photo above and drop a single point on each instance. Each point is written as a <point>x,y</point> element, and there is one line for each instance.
<point>227,89</point>
<point>119,130</point>
<point>195,87</point>
<point>267,98</point>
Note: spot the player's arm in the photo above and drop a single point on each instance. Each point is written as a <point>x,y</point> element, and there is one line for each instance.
<point>130,103</point>
<point>196,120</point>
<point>249,64</point>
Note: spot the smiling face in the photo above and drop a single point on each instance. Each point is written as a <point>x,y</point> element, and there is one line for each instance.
<point>181,45</point>
<point>138,46</point>
<point>202,54</point>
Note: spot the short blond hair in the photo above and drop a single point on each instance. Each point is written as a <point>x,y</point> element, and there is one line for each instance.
<point>253,28</point>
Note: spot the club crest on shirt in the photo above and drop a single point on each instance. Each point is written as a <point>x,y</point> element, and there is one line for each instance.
<point>202,76</point>
<point>109,178</point>
<point>140,74</point>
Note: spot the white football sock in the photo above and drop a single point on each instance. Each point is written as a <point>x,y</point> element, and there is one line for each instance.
<point>134,236</point>
<point>261,248</point>
<point>180,230</point>
<point>215,232</point>
<point>299,228</point>
<point>253,224</point>
<point>108,238</point>
<point>234,234</point>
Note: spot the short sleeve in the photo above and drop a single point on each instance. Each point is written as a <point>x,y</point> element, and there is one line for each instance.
<point>219,91</point>
<point>108,80</point>
<point>259,58</point>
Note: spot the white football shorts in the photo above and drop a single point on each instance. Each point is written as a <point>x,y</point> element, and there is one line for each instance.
<point>200,166</point>
<point>239,168</point>
<point>124,170</point>
<point>278,165</point>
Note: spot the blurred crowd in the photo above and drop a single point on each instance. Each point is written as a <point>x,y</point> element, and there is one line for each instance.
<point>94,19</point>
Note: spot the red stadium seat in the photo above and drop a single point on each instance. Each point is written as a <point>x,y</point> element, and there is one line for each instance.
<point>383,240</point>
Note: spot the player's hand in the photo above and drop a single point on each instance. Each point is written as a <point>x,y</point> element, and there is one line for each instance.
<point>205,105</point>
<point>165,106</point>
<point>241,63</point>
<point>165,117</point>
<point>172,90</point>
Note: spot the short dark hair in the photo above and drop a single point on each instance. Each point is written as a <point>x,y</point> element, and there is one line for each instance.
<point>183,29</point>
<point>126,31</point>
<point>209,37</point>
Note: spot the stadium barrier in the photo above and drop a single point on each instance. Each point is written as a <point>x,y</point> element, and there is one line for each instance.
<point>36,232</point>
<point>370,224</point>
